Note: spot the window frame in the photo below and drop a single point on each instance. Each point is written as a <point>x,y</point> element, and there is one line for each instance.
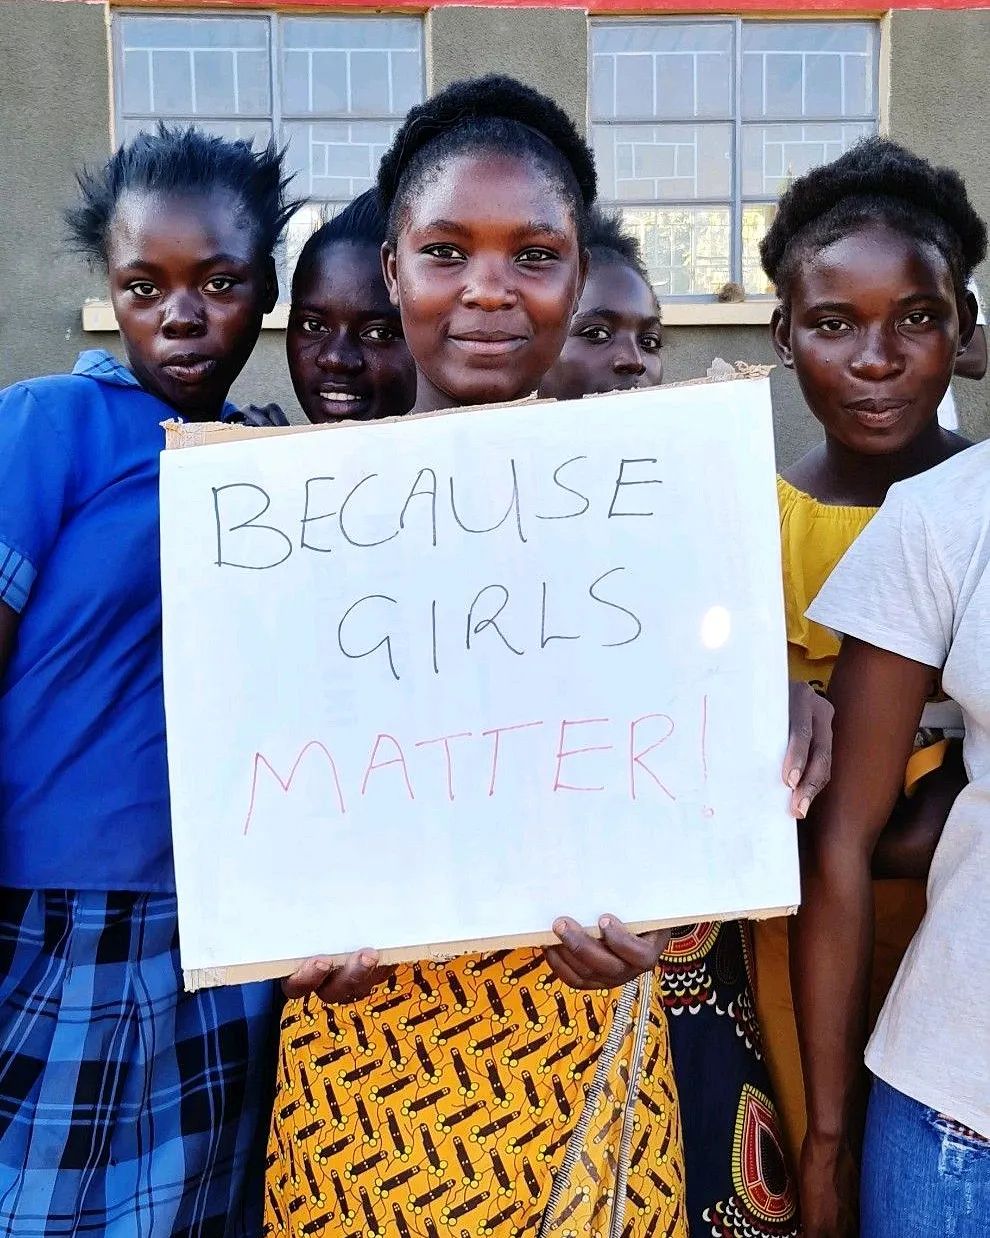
<point>737,201</point>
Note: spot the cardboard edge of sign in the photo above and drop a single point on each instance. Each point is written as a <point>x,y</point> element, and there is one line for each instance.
<point>179,434</point>
<point>248,973</point>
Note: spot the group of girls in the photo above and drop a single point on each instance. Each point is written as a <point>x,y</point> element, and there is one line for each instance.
<point>612,1084</point>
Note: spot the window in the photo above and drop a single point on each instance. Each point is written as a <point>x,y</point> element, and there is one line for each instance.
<point>699,125</point>
<point>333,89</point>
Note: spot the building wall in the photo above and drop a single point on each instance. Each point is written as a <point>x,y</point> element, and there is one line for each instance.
<point>938,69</point>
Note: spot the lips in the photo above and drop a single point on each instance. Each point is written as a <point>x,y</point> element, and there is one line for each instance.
<point>877,414</point>
<point>189,368</point>
<point>486,343</point>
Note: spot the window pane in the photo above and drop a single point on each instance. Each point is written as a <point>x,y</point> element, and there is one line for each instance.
<point>773,155</point>
<point>663,162</point>
<point>755,221</point>
<point>195,66</point>
<point>344,66</point>
<point>662,70</point>
<point>257,131</point>
<point>686,249</point>
<point>808,69</point>
<point>336,159</point>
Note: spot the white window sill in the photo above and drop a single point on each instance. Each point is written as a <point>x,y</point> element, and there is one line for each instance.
<point>99,315</point>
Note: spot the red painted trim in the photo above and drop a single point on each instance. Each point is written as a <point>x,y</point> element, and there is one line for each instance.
<point>651,8</point>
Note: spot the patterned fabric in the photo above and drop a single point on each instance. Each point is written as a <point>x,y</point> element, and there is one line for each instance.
<point>127,1108</point>
<point>478,1097</point>
<point>738,1184</point>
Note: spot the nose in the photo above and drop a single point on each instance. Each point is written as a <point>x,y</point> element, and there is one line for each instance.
<point>879,356</point>
<point>627,356</point>
<point>339,355</point>
<point>490,285</point>
<point>183,316</point>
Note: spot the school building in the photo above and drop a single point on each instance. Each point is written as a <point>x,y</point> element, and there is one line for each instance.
<point>699,112</point>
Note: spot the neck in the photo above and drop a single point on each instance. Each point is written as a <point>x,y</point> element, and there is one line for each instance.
<point>430,399</point>
<point>862,480</point>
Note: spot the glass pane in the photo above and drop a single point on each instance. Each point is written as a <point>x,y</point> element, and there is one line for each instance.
<point>686,249</point>
<point>659,163</point>
<point>773,155</point>
<point>808,69</point>
<point>257,131</point>
<point>336,159</point>
<point>665,70</point>
<point>333,66</point>
<point>195,66</point>
<point>755,221</point>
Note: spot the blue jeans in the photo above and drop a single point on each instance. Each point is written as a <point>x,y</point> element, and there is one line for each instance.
<point>921,1178</point>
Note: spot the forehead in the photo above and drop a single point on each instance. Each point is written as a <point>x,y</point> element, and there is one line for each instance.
<point>345,273</point>
<point>146,222</point>
<point>871,262</point>
<point>616,287</point>
<point>490,190</point>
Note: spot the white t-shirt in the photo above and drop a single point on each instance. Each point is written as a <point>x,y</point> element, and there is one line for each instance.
<point>917,582</point>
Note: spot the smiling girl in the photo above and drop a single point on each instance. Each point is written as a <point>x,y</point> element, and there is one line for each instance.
<point>870,256</point>
<point>128,1106</point>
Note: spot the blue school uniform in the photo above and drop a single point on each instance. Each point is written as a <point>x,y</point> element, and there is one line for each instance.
<point>127,1107</point>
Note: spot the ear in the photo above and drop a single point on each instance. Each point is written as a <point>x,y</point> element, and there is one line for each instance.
<point>270,286</point>
<point>390,273</point>
<point>780,337</point>
<point>971,359</point>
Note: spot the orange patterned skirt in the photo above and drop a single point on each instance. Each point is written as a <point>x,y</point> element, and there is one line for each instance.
<point>477,1097</point>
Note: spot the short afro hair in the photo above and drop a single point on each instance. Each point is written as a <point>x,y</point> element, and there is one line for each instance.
<point>877,181</point>
<point>361,222</point>
<point>607,237</point>
<point>183,161</point>
<point>493,113</point>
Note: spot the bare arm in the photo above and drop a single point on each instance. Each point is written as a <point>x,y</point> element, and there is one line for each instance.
<point>908,842</point>
<point>878,699</point>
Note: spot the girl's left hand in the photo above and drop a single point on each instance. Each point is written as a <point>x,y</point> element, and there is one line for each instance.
<point>586,962</point>
<point>808,762</point>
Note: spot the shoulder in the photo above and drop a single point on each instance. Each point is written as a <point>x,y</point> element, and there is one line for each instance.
<point>959,482</point>
<point>56,398</point>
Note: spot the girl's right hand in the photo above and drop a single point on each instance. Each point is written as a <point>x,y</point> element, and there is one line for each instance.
<point>350,982</point>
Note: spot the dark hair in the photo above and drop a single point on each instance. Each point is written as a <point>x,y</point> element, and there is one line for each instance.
<point>361,222</point>
<point>487,113</point>
<point>877,181</point>
<point>182,161</point>
<point>607,237</point>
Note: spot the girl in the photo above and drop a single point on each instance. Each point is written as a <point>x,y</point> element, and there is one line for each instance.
<point>870,256</point>
<point>347,358</point>
<point>127,1105</point>
<point>614,340</point>
<point>735,1166</point>
<point>489,1094</point>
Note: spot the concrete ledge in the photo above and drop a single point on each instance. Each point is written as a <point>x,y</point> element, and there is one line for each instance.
<point>99,315</point>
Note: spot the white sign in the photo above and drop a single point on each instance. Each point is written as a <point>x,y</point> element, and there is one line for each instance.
<point>444,679</point>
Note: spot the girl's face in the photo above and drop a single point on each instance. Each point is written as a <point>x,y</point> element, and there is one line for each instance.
<point>873,333</point>
<point>347,357</point>
<point>189,289</point>
<point>486,275</point>
<point>614,340</point>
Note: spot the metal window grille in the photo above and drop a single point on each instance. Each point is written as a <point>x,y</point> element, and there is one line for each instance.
<point>698,125</point>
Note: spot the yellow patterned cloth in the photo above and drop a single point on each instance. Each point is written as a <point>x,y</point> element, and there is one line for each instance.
<point>480,1097</point>
<point>814,537</point>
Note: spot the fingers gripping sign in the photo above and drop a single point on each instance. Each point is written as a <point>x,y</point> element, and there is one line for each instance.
<point>808,762</point>
<point>618,956</point>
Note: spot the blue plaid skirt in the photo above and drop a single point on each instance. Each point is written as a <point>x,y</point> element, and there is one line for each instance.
<point>128,1108</point>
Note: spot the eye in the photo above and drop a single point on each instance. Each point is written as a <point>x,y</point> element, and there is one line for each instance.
<point>446,253</point>
<point>536,256</point>
<point>381,335</point>
<point>312,326</point>
<point>595,335</point>
<point>220,283</point>
<point>833,326</point>
<point>143,288</point>
<point>651,343</point>
<point>920,318</point>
